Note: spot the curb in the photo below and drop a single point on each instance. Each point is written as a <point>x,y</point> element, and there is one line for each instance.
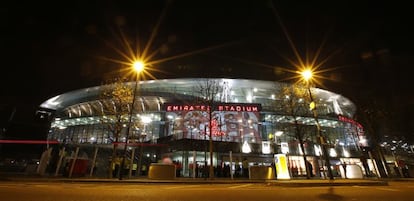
<point>283,183</point>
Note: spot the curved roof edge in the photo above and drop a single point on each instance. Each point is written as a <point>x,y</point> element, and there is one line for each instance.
<point>64,100</point>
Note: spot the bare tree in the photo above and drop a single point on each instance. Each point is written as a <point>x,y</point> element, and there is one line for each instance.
<point>116,98</point>
<point>374,115</point>
<point>294,102</point>
<point>207,91</point>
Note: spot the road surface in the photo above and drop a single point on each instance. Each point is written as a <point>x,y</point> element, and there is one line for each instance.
<point>67,191</point>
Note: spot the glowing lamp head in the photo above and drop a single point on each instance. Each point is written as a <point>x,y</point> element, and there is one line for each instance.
<point>138,66</point>
<point>306,74</point>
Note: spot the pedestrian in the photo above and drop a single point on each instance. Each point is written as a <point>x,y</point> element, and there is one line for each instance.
<point>167,160</point>
<point>344,168</point>
<point>144,169</point>
<point>245,166</point>
<point>237,169</point>
<point>273,166</point>
<point>310,168</point>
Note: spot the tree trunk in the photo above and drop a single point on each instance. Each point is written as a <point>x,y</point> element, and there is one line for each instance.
<point>299,136</point>
<point>112,162</point>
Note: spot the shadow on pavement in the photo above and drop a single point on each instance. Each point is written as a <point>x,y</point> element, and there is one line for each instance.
<point>330,195</point>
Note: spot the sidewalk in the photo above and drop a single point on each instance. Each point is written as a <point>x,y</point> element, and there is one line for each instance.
<point>286,183</point>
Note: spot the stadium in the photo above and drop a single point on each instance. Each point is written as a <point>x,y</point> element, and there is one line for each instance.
<point>244,121</point>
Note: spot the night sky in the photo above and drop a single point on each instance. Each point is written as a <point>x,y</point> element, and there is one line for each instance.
<point>365,47</point>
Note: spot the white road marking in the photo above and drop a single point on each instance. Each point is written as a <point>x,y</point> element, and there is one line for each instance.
<point>380,188</point>
<point>240,186</point>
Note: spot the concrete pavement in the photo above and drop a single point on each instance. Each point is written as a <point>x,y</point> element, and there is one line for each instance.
<point>179,180</point>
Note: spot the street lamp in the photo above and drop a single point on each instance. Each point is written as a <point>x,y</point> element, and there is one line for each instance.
<point>307,77</point>
<point>138,67</point>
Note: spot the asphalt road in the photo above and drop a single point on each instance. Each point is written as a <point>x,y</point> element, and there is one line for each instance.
<point>67,191</point>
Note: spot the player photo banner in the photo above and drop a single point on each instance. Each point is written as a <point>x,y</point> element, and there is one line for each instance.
<point>229,122</point>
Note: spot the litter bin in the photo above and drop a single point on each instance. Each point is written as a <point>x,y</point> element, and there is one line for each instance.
<point>261,172</point>
<point>161,171</point>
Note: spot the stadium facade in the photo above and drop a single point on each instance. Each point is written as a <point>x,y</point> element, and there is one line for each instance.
<point>244,122</point>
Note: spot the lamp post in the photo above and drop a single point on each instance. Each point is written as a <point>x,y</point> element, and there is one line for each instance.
<point>138,66</point>
<point>307,76</point>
